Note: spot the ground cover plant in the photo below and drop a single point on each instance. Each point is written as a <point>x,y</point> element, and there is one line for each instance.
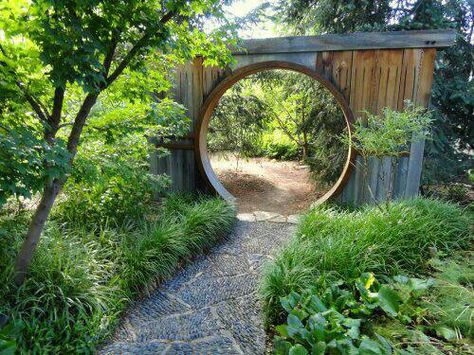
<point>83,277</point>
<point>334,246</point>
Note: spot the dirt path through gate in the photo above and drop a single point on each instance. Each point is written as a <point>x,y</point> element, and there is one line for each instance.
<point>263,184</point>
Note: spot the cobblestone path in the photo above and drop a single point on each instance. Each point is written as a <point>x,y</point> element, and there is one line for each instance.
<point>211,306</point>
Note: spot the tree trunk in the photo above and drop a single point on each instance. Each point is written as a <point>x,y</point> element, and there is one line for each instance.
<point>50,193</point>
<point>35,229</point>
<point>305,152</point>
<point>305,146</point>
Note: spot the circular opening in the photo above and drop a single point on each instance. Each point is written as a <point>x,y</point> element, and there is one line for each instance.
<point>212,101</point>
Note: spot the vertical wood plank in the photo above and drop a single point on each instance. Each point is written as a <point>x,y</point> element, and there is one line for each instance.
<point>400,178</point>
<point>337,67</point>
<point>424,73</point>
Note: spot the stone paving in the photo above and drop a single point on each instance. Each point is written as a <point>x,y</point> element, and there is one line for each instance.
<point>211,306</point>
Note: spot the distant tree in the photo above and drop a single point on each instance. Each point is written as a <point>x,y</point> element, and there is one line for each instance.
<point>290,103</point>
<point>310,116</point>
<point>238,122</point>
<point>57,57</point>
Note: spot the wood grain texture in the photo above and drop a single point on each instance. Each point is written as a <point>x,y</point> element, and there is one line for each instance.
<point>351,41</point>
<point>386,78</point>
<point>337,67</point>
<point>366,72</point>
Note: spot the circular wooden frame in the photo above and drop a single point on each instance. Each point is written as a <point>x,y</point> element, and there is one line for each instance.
<point>212,100</point>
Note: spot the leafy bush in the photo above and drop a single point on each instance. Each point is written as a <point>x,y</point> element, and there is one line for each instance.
<point>390,133</point>
<point>110,183</point>
<point>81,279</point>
<point>451,302</point>
<point>26,161</point>
<point>278,146</point>
<point>331,243</point>
<point>338,318</point>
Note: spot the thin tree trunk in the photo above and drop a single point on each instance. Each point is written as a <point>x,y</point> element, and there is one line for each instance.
<point>305,152</point>
<point>305,146</point>
<point>50,193</point>
<point>35,229</point>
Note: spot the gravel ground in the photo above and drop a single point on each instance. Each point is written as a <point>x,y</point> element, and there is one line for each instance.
<point>212,305</point>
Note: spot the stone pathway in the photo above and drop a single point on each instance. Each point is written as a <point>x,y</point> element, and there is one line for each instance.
<point>211,306</point>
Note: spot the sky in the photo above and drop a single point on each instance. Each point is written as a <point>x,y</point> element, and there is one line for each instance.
<point>241,8</point>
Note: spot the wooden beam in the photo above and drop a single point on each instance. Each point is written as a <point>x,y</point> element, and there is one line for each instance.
<point>351,41</point>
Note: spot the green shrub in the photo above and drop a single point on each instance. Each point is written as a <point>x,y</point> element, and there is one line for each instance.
<point>81,279</point>
<point>109,184</point>
<point>332,244</point>
<point>277,145</point>
<point>451,302</point>
<point>338,317</point>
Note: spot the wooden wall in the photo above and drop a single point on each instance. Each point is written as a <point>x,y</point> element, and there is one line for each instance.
<point>368,79</point>
<point>371,80</point>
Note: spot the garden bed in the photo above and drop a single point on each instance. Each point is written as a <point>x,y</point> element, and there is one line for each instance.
<point>84,274</point>
<point>385,249</point>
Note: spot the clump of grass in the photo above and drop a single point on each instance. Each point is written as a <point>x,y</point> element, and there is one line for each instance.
<point>334,243</point>
<point>81,279</point>
<point>452,302</point>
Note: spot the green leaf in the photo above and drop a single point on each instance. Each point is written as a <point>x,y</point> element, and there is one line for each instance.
<point>298,349</point>
<point>369,347</point>
<point>446,332</point>
<point>389,300</point>
<point>294,321</point>
<point>386,346</point>
<point>420,284</point>
<point>317,324</point>
<point>282,330</point>
<point>319,348</point>
<point>316,304</point>
<point>281,346</point>
<point>353,325</point>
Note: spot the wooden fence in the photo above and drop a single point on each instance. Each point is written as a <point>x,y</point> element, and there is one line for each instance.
<point>365,71</point>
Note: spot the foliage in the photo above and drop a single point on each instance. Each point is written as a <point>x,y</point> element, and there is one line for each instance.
<point>238,122</point>
<point>333,243</point>
<point>110,183</point>
<point>277,145</point>
<point>307,113</point>
<point>456,193</point>
<point>27,162</point>
<point>338,318</point>
<point>57,60</point>
<point>451,303</point>
<point>83,276</point>
<point>284,115</point>
<point>390,133</point>
<point>449,154</point>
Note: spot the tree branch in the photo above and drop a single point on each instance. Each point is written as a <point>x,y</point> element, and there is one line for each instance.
<point>110,54</point>
<point>142,42</point>
<point>55,118</point>
<point>79,121</point>
<point>36,104</point>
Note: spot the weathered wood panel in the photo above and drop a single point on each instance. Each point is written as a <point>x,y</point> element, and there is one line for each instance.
<point>386,78</point>
<point>306,59</point>
<point>337,67</point>
<point>351,41</point>
<point>371,71</point>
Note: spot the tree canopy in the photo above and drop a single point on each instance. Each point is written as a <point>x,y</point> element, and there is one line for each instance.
<point>56,58</point>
